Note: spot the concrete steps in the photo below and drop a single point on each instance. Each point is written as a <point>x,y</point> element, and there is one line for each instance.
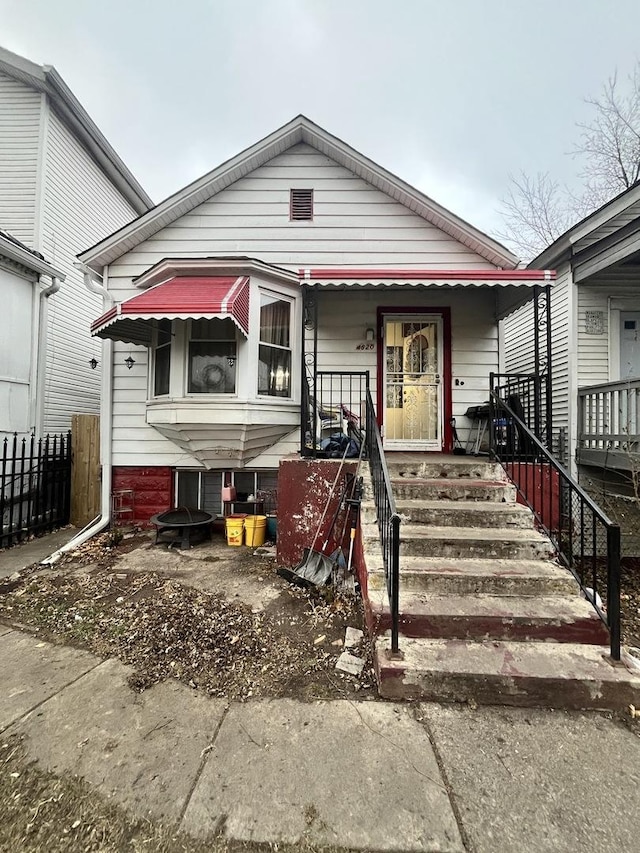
<point>491,617</point>
<point>556,675</point>
<point>467,543</point>
<point>446,513</point>
<point>485,611</point>
<point>438,575</point>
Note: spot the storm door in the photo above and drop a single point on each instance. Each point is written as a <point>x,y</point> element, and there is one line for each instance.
<point>412,363</point>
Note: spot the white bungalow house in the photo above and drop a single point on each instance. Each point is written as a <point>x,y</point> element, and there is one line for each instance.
<point>595,329</point>
<point>204,323</point>
<point>62,187</point>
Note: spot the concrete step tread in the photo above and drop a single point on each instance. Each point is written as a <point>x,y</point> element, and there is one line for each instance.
<point>480,566</point>
<point>424,531</point>
<point>556,607</point>
<point>505,658</point>
<point>453,506</point>
<point>462,482</point>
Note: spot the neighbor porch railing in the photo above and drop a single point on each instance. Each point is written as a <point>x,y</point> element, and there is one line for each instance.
<point>387,518</point>
<point>35,486</point>
<point>586,540</point>
<point>609,421</point>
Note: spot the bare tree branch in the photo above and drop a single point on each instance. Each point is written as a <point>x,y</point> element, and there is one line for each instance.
<point>537,210</point>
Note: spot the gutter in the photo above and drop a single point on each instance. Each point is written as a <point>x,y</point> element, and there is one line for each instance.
<point>94,283</point>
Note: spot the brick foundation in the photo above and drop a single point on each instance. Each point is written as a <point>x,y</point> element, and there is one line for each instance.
<point>152,487</point>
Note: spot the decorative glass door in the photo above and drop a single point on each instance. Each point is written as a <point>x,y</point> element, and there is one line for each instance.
<point>412,382</point>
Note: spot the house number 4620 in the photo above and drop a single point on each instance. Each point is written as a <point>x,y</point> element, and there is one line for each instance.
<point>366,346</point>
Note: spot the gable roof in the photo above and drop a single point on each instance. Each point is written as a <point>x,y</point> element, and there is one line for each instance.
<point>612,216</point>
<point>45,78</point>
<point>299,130</point>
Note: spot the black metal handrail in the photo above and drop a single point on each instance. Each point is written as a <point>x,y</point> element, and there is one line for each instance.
<point>586,540</point>
<point>387,517</point>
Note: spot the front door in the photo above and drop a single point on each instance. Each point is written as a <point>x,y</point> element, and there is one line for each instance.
<point>629,344</point>
<point>413,364</point>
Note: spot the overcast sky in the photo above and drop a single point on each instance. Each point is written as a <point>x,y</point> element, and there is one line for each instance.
<point>451,95</point>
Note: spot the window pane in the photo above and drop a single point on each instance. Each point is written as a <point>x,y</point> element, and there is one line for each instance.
<point>163,361</point>
<point>274,320</point>
<point>212,367</point>
<point>274,371</point>
<point>164,332</point>
<point>188,489</point>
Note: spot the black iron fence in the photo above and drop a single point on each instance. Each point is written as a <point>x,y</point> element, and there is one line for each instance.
<point>35,486</point>
<point>586,540</point>
<point>387,517</point>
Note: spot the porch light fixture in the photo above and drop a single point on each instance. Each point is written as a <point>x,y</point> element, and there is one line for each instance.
<point>369,334</point>
<point>93,363</point>
<point>129,362</point>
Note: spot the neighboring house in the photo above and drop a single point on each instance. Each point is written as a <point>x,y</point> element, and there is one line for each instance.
<point>205,323</point>
<point>62,187</point>
<point>595,322</point>
<point>27,281</point>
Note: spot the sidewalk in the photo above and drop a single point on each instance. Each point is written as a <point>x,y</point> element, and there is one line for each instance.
<point>369,775</point>
<point>17,558</point>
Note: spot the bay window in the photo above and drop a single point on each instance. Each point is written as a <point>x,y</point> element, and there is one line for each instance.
<point>274,351</point>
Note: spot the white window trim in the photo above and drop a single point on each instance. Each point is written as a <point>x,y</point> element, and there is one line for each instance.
<point>293,344</point>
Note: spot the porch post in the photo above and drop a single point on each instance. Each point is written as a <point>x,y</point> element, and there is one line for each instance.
<point>537,367</point>
<point>549,386</point>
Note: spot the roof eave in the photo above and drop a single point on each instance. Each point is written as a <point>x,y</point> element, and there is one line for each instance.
<point>25,258</point>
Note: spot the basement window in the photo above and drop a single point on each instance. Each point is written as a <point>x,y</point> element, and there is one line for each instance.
<point>301,205</point>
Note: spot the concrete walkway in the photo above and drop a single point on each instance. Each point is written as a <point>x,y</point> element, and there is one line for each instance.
<point>369,775</point>
<point>20,556</point>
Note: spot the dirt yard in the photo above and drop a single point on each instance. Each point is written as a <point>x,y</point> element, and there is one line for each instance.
<point>218,619</point>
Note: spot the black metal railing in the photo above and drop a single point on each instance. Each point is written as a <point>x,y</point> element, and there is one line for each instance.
<point>333,404</point>
<point>587,542</point>
<point>526,394</point>
<point>35,486</point>
<point>387,517</point>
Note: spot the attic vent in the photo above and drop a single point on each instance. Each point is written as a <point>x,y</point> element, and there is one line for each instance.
<point>301,204</point>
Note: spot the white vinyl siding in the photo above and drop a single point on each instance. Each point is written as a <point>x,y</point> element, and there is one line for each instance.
<point>593,350</point>
<point>20,109</point>
<point>519,345</point>
<point>81,206</point>
<point>354,224</point>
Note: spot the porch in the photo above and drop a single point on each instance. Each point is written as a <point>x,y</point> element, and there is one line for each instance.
<point>609,427</point>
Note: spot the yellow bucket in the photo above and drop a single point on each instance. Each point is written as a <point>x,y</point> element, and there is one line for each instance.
<point>234,526</point>
<point>255,528</point>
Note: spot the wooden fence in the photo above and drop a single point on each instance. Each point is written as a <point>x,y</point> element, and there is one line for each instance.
<point>85,469</point>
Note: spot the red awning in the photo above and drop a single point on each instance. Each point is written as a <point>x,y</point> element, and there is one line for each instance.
<point>181,298</point>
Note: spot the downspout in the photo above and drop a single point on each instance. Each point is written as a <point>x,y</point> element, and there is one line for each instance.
<point>37,407</point>
<point>94,283</point>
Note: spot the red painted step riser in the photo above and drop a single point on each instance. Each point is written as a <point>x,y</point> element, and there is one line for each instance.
<point>588,630</point>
